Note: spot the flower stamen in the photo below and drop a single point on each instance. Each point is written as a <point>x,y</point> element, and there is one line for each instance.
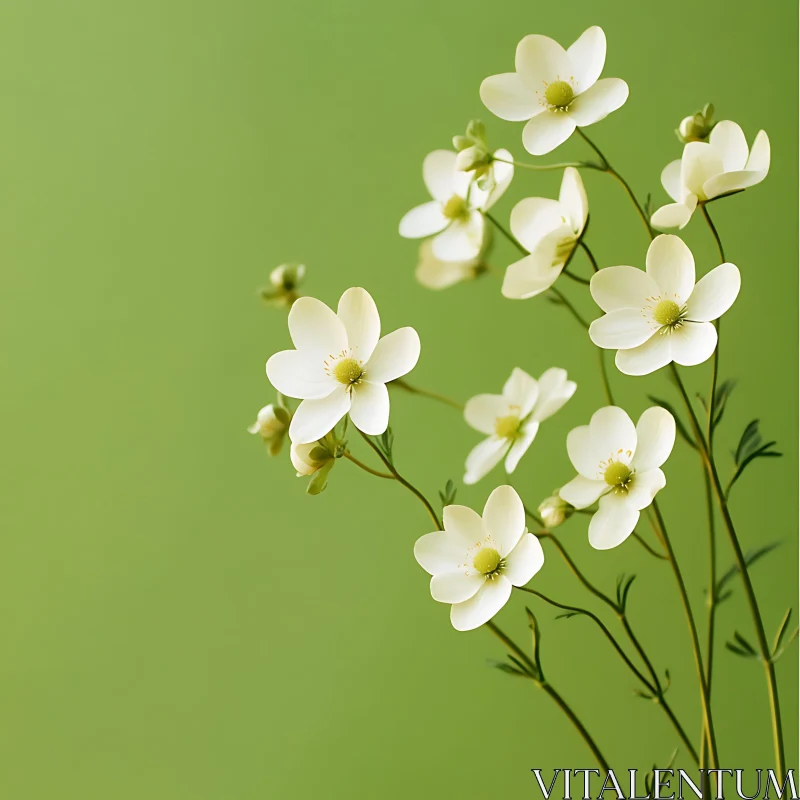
<point>558,95</point>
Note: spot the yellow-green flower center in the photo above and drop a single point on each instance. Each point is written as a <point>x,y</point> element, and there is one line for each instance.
<point>487,561</point>
<point>559,94</point>
<point>348,371</point>
<point>564,250</point>
<point>667,313</point>
<point>507,427</point>
<point>455,208</point>
<point>618,475</point>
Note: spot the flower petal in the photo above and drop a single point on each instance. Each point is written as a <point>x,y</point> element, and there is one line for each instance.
<point>598,101</point>
<point>507,97</point>
<point>670,264</point>
<point>534,218</point>
<point>440,552</point>
<point>465,524</point>
<point>370,407</point>
<point>524,561</point>
<point>521,390</point>
<point>455,587</point>
<point>759,154</point>
<point>439,174</point>
<point>674,215</point>
<point>621,329</point>
<point>314,418</point>
<point>588,55</point>
<point>582,492</point>
<point>732,182</point>
<point>547,131</point>
<point>693,343</point>
<point>359,315</point>
<point>504,518</point>
<point>395,355</point>
<point>648,357</point>
<point>613,435</point>
<point>484,457</point>
<point>671,180</point>
<point>613,523</point>
<point>313,326</point>
<point>461,240</point>
<point>655,438</point>
<point>646,486</point>
<point>482,412</point>
<point>540,60</point>
<point>554,391</point>
<point>297,373</point>
<point>521,444</point>
<point>572,198</point>
<point>424,220</point>
<point>503,174</point>
<point>613,288</point>
<point>476,611</point>
<point>529,276</point>
<point>700,161</point>
<point>714,293</point>
<point>581,453</point>
<point>435,274</point>
<point>727,138</point>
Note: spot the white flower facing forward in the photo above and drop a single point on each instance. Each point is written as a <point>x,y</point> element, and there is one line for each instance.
<point>557,90</point>
<point>659,316</point>
<point>512,418</point>
<point>433,273</point>
<point>619,465</point>
<point>455,215</point>
<point>549,230</point>
<point>706,170</point>
<point>341,365</point>
<point>475,561</point>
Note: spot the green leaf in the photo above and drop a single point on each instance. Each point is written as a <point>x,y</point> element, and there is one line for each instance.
<point>624,584</point>
<point>681,428</point>
<point>749,442</point>
<point>781,631</point>
<point>743,643</point>
<point>319,480</point>
<point>750,447</point>
<point>724,391</point>
<point>750,558</point>
<point>739,651</point>
<point>507,668</point>
<point>275,446</point>
<point>536,637</point>
<point>448,496</point>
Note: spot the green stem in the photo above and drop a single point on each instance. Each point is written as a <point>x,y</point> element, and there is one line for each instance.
<point>506,233</point>
<point>611,171</point>
<point>562,299</point>
<point>573,277</point>
<point>400,479</point>
<point>647,547</point>
<point>601,355</point>
<point>547,167</point>
<point>588,252</point>
<point>440,398</point>
<point>752,602</point>
<point>350,457</point>
<point>698,656</point>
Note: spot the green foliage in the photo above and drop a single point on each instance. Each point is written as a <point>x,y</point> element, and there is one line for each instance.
<point>750,558</point>
<point>448,496</point>
<point>779,645</point>
<point>319,480</point>
<point>751,446</point>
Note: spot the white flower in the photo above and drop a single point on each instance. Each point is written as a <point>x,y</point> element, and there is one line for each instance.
<point>271,425</point>
<point>659,316</point>
<point>475,562</point>
<point>340,366</point>
<point>549,230</point>
<point>433,273</point>
<point>308,458</point>
<point>556,89</point>
<point>455,213</point>
<point>619,466</point>
<point>512,419</point>
<point>711,169</point>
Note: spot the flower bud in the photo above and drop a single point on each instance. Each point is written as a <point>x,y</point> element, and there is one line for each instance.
<point>697,127</point>
<point>554,511</point>
<point>284,281</point>
<point>472,158</point>
<point>271,425</point>
<point>308,458</point>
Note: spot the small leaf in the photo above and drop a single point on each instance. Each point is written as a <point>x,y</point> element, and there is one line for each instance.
<point>569,614</point>
<point>781,630</point>
<point>276,445</point>
<point>750,558</point>
<point>536,636</point>
<point>749,441</point>
<point>743,643</point>
<point>643,695</point>
<point>681,428</point>
<point>724,391</point>
<point>738,650</point>
<point>507,668</point>
<point>319,480</point>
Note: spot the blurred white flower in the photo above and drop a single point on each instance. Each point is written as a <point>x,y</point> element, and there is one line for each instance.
<point>549,230</point>
<point>475,561</point>
<point>555,510</point>
<point>707,170</point>
<point>512,418</point>
<point>455,215</point>
<point>619,465</point>
<point>340,365</point>
<point>659,315</point>
<point>271,425</point>
<point>284,281</point>
<point>557,90</point>
<point>433,273</point>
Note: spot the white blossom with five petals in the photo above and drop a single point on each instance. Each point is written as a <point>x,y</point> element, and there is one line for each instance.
<point>511,419</point>
<point>455,215</point>
<point>660,315</point>
<point>341,365</point>
<point>711,169</point>
<point>619,466</point>
<point>475,561</point>
<point>557,90</point>
<point>550,231</point>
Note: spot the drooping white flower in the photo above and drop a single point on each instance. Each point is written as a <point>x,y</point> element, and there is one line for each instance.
<point>707,170</point>
<point>511,419</point>
<point>341,365</point>
<point>659,315</point>
<point>557,90</point>
<point>619,465</point>
<point>454,217</point>
<point>549,230</point>
<point>475,561</point>
<point>433,273</point>
<point>271,425</point>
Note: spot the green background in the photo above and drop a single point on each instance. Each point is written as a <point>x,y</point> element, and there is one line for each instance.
<point>179,619</point>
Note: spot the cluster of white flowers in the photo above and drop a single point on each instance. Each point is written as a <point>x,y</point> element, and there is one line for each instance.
<point>341,366</point>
